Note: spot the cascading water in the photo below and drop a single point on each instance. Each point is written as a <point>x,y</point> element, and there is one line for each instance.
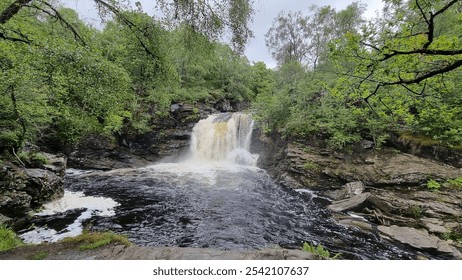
<point>216,198</point>
<point>223,137</point>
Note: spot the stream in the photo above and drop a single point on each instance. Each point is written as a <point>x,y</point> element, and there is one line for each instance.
<point>213,198</point>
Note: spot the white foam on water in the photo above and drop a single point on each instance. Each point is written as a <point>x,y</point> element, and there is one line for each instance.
<point>95,206</point>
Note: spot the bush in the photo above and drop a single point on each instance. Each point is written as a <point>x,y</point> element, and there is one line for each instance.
<point>433,185</point>
<point>455,183</point>
<point>318,250</point>
<point>38,159</point>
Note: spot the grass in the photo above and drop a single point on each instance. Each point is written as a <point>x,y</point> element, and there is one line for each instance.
<point>319,250</point>
<point>93,240</point>
<point>38,256</point>
<point>8,239</point>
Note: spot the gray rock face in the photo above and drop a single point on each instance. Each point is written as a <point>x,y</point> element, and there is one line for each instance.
<point>147,253</point>
<point>22,189</point>
<point>121,252</point>
<point>383,168</point>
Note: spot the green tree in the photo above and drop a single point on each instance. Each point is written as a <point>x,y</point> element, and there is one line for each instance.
<point>404,69</point>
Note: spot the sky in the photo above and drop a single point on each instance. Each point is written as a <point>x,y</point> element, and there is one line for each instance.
<point>267,10</point>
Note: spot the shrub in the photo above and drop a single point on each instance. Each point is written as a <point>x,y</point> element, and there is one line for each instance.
<point>318,250</point>
<point>455,183</point>
<point>414,211</point>
<point>8,239</point>
<point>38,158</point>
<point>433,185</point>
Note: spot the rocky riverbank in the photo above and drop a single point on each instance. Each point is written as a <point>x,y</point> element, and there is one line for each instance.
<point>378,191</point>
<point>24,189</point>
<point>63,251</point>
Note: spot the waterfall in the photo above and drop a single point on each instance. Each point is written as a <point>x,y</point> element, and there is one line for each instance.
<point>223,137</point>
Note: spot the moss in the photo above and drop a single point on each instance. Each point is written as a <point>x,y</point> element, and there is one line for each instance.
<point>420,140</point>
<point>310,166</point>
<point>93,240</point>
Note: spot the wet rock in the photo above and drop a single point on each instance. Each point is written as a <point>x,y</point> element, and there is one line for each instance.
<point>352,223</point>
<point>419,239</point>
<point>356,202</point>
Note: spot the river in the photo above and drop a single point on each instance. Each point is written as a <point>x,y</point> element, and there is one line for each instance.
<point>215,197</point>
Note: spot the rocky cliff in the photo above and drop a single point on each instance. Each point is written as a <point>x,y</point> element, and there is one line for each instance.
<point>380,191</point>
<point>24,189</point>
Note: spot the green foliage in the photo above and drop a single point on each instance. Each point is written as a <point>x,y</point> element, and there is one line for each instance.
<point>455,183</point>
<point>414,211</point>
<point>8,239</point>
<point>455,234</point>
<point>433,185</point>
<point>39,256</point>
<point>93,240</point>
<point>319,250</point>
<point>38,159</point>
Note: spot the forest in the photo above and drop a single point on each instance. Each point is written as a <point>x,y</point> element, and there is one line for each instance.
<point>339,76</point>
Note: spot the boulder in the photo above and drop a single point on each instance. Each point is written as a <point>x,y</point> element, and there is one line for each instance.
<point>420,239</point>
<point>22,189</point>
<point>354,203</point>
<point>417,238</point>
<point>43,185</point>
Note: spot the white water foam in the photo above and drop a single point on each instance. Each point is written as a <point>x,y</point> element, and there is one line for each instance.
<point>95,206</point>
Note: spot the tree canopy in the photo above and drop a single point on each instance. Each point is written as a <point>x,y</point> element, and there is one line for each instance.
<point>396,74</point>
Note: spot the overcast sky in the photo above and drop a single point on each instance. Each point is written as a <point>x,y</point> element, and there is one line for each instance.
<point>267,10</point>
